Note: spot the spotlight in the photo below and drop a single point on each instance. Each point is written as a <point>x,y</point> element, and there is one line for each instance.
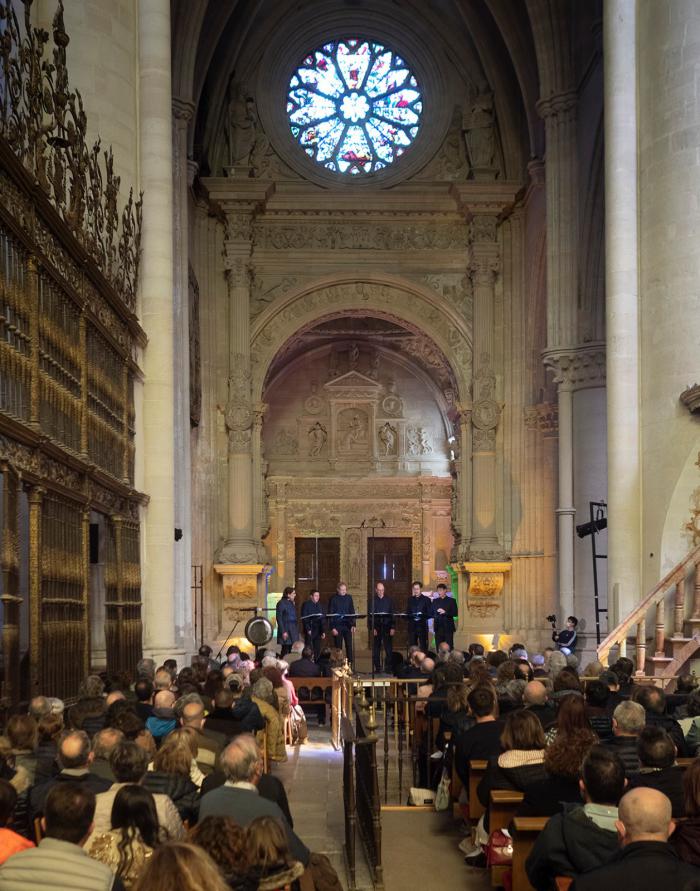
<point>591,528</point>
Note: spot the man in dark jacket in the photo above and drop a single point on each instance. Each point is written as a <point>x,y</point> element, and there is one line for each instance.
<point>584,836</point>
<point>419,611</point>
<point>628,722</point>
<point>657,767</point>
<point>232,715</point>
<point>313,621</point>
<point>535,701</point>
<point>287,628</point>
<point>483,740</point>
<point>75,758</point>
<point>444,614</point>
<point>653,701</point>
<point>381,626</point>
<point>341,612</point>
<point>646,861</point>
<point>597,695</point>
<point>305,667</point>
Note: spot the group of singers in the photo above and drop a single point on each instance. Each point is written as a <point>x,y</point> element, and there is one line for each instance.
<point>341,620</point>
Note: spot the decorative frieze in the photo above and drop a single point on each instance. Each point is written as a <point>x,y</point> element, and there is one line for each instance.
<point>578,368</point>
<point>337,235</point>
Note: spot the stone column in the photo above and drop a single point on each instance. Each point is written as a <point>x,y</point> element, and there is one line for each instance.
<point>622,307</point>
<point>484,267</point>
<point>426,508</point>
<point>462,508</point>
<point>182,114</point>
<point>281,505</point>
<point>156,297</point>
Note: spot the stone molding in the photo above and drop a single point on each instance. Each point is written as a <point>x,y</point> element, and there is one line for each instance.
<point>182,109</point>
<point>543,417</point>
<point>557,104</point>
<point>577,368</point>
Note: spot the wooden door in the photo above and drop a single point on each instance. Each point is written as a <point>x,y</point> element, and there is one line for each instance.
<point>392,561</point>
<point>316,566</point>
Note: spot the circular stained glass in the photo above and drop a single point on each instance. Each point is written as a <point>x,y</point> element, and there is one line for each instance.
<point>354,106</point>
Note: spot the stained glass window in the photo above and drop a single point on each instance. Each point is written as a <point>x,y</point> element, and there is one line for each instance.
<point>354,106</point>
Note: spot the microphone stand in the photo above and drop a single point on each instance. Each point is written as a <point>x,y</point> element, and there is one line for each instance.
<point>372,524</point>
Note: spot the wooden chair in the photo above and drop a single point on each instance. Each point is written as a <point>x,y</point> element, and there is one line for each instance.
<point>38,831</point>
<point>504,804</point>
<point>525,832</point>
<point>477,769</point>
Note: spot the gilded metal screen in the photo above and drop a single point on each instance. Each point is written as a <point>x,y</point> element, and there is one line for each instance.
<point>68,338</point>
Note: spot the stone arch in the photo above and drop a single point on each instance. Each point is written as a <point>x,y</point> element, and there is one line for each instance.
<point>405,301</point>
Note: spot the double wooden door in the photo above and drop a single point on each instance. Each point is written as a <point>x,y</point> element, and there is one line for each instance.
<point>316,567</point>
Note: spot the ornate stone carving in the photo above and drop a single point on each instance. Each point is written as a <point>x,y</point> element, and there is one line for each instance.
<point>241,124</point>
<point>44,122</point>
<point>577,368</point>
<point>239,226</point>
<point>543,417</point>
<point>690,397</point>
<point>456,288</point>
<point>387,439</point>
<point>480,136</point>
<point>392,403</point>
<point>418,441</point>
<point>484,227</point>
<point>353,427</point>
<point>314,404</point>
<point>238,415</point>
<point>450,163</point>
<point>263,292</point>
<point>318,437</point>
<point>364,236</point>
<point>285,443</point>
<point>485,581</point>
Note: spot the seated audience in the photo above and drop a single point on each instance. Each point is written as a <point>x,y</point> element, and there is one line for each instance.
<point>657,767</point>
<point>210,744</point>
<point>645,861</point>
<point>597,695</point>
<point>133,836</point>
<point>227,844</point>
<point>535,700</point>
<point>60,861</point>
<point>628,722</point>
<point>522,760</point>
<point>690,724</point>
<point>582,837</point>
<point>686,837</point>
<point>566,683</point>
<point>49,729</point>
<point>242,764</point>
<point>653,701</point>
<point>615,696</point>
<point>102,744</point>
<point>21,732</point>
<point>129,763</point>
<point>171,774</point>
<point>455,717</point>
<point>304,666</point>
<point>295,653</point>
<point>88,713</point>
<point>230,715</point>
<point>143,689</point>
<point>562,761</point>
<point>269,857</point>
<point>571,717</point>
<point>178,866</point>
<point>263,696</point>
<point>483,740</point>
<point>162,721</point>
<point>11,842</point>
<point>75,760</point>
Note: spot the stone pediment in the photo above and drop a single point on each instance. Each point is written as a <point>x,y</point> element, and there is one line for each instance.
<point>353,384</point>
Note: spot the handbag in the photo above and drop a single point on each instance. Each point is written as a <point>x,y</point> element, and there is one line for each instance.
<point>442,796</point>
<point>499,850</point>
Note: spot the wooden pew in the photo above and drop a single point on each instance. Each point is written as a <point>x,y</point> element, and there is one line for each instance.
<point>525,832</point>
<point>477,769</point>
<point>504,804</point>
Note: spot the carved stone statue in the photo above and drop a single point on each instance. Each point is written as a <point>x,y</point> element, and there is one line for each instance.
<point>354,356</point>
<point>374,366</point>
<point>412,441</point>
<point>424,441</point>
<point>241,125</point>
<point>356,432</point>
<point>387,437</point>
<point>479,132</point>
<point>318,436</point>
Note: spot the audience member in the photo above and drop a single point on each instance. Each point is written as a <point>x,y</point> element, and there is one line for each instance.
<point>162,721</point>
<point>88,713</point>
<point>535,700</point>
<point>60,861</point>
<point>686,837</point>
<point>581,838</point>
<point>555,663</point>
<point>628,722</point>
<point>75,760</point>
<point>690,724</point>
<point>143,689</point>
<point>269,856</point>
<point>653,701</point>
<point>146,668</point>
<point>571,717</point>
<point>181,866</point>
<point>21,732</point>
<point>241,762</point>
<point>210,744</point>
<point>304,666</point>
<point>172,773</point>
<point>49,729</point>
<point>11,842</point>
<point>102,745</point>
<point>646,861</point>
<point>129,763</point>
<point>612,682</point>
<point>133,836</point>
<point>597,695</point>
<point>657,767</point>
<point>227,844</point>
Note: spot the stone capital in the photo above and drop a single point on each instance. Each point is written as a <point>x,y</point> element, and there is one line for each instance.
<point>183,109</point>
<point>485,580</point>
<point>557,104</point>
<point>577,368</point>
<point>484,263</point>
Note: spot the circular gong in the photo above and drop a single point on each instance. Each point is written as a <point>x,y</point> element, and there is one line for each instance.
<point>258,631</point>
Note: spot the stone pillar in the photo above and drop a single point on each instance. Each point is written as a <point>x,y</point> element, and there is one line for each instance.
<point>426,508</point>
<point>156,298</point>
<point>622,307</point>
<point>281,506</point>
<point>182,114</point>
<point>484,267</point>
<point>462,508</point>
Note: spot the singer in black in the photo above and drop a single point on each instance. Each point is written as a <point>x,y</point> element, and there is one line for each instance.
<point>341,611</point>
<point>419,610</point>
<point>313,621</point>
<point>381,625</point>
<point>444,614</point>
<point>287,628</point>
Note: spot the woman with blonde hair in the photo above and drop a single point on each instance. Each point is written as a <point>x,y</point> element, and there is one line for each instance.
<point>170,776</point>
<point>269,856</point>
<point>181,866</point>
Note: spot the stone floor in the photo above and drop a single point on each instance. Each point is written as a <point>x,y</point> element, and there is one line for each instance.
<point>418,848</point>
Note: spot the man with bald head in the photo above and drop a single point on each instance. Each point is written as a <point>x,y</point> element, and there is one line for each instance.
<point>645,861</point>
<point>210,744</point>
<point>163,720</point>
<point>535,700</point>
<point>75,757</point>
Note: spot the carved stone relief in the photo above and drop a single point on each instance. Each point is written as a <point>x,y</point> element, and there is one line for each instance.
<point>318,437</point>
<point>387,439</point>
<point>272,235</point>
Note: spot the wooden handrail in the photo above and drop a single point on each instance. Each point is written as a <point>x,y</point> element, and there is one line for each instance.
<point>639,613</point>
